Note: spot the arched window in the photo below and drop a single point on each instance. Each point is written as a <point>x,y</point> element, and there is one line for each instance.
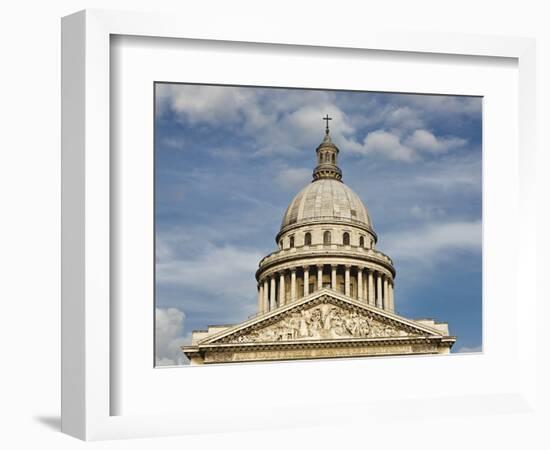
<point>333,158</point>
<point>326,237</point>
<point>346,238</point>
<point>307,238</point>
<point>291,241</point>
<point>362,241</point>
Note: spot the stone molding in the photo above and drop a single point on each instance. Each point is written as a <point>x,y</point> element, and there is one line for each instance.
<point>319,297</point>
<point>341,258</point>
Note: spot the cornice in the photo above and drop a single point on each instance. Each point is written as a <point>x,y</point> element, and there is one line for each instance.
<point>330,255</point>
<point>444,341</point>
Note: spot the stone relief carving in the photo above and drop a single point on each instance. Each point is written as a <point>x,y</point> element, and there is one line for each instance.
<point>326,321</point>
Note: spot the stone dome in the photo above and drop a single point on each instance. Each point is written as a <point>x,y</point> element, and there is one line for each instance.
<point>326,200</point>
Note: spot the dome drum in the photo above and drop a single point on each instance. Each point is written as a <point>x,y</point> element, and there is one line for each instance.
<point>297,236</point>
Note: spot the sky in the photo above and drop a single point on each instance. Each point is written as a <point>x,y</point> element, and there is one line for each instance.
<point>228,161</point>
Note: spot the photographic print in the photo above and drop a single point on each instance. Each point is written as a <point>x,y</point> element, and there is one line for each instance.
<point>296,224</point>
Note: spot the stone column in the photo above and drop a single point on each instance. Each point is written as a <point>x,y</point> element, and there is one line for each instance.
<point>371,287</point>
<point>319,277</point>
<point>385,296</point>
<point>378,289</point>
<point>260,298</point>
<point>281,289</point>
<point>266,295</point>
<point>272,299</point>
<point>390,292</point>
<point>306,280</point>
<point>293,284</point>
<point>346,281</point>
<point>333,277</point>
<point>360,283</point>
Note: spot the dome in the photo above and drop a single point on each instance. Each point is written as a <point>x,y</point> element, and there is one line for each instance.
<point>326,199</point>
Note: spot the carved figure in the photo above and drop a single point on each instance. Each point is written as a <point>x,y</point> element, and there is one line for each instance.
<point>325,321</point>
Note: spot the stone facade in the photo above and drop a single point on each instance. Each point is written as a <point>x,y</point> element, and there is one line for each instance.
<point>326,291</point>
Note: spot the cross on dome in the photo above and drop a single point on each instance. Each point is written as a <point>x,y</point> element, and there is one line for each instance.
<point>326,119</point>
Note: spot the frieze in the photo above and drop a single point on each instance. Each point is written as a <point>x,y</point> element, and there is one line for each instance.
<point>322,321</point>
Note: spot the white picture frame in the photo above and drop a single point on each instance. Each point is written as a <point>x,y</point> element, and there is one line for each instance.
<point>87,317</point>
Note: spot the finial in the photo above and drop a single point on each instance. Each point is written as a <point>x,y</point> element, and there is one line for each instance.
<point>327,118</point>
<point>327,156</point>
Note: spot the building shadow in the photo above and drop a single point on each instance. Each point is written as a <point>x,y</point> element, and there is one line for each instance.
<point>51,422</point>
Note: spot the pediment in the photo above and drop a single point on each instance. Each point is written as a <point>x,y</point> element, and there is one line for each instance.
<point>325,315</point>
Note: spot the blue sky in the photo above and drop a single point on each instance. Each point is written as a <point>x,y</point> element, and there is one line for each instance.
<point>228,161</point>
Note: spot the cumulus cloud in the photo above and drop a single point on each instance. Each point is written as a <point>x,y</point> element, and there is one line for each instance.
<point>283,122</point>
<point>433,242</point>
<point>424,141</point>
<point>169,337</point>
<point>208,104</point>
<point>391,144</point>
<point>387,144</point>
<point>403,117</point>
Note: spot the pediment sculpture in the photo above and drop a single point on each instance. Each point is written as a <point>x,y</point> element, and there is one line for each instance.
<point>321,322</point>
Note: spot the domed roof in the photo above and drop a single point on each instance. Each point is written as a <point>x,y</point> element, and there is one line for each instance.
<point>326,199</point>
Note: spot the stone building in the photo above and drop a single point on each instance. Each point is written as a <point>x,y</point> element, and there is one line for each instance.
<point>327,291</point>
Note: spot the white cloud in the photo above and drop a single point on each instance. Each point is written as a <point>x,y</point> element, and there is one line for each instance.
<point>391,145</point>
<point>205,266</point>
<point>209,104</point>
<point>424,141</point>
<point>387,144</point>
<point>403,117</point>
<point>433,243</point>
<point>292,179</point>
<point>169,337</point>
<point>289,121</point>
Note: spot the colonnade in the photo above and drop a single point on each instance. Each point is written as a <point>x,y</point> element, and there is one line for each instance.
<point>363,284</point>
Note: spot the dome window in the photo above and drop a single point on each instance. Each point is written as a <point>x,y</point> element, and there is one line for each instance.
<point>362,241</point>
<point>307,238</point>
<point>326,238</point>
<point>346,238</point>
<point>291,241</point>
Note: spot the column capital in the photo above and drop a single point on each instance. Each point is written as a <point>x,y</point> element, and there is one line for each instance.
<point>319,266</point>
<point>347,266</point>
<point>293,269</point>
<point>306,267</point>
